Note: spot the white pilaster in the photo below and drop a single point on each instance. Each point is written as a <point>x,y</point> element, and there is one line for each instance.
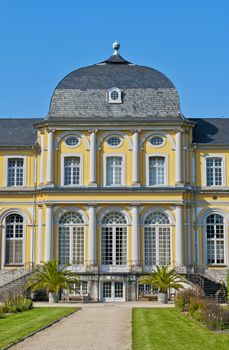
<point>135,160</point>
<point>39,233</point>
<point>50,158</point>
<point>92,178</point>
<point>49,233</point>
<point>178,164</point>
<point>179,236</point>
<point>188,237</point>
<point>187,168</point>
<point>135,236</point>
<point>92,235</point>
<point>42,145</point>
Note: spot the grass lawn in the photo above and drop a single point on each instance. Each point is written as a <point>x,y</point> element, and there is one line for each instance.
<point>167,329</point>
<point>16,326</point>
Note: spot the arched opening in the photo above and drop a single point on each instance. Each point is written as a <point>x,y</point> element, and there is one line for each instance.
<point>114,239</point>
<point>157,239</point>
<point>14,238</point>
<point>71,230</point>
<point>215,236</point>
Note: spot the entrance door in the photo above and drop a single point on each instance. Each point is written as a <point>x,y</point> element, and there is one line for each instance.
<point>113,291</point>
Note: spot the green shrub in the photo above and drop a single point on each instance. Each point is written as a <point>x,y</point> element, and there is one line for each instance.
<point>196,304</point>
<point>227,285</point>
<point>17,303</point>
<point>182,299</point>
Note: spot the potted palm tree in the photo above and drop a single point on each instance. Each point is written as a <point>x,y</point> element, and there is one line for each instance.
<point>164,279</point>
<point>52,278</point>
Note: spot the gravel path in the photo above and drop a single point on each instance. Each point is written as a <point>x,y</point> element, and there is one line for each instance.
<point>100,327</point>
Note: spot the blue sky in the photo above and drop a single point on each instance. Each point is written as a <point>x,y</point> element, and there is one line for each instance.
<point>41,41</point>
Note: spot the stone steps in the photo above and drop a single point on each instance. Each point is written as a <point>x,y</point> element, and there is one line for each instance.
<point>14,287</point>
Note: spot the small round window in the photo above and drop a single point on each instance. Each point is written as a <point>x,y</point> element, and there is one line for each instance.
<point>114,141</point>
<point>157,141</point>
<point>72,141</point>
<point>114,95</point>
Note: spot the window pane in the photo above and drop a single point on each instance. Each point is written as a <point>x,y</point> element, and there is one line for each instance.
<point>15,172</point>
<point>14,239</point>
<point>214,171</point>
<point>71,171</point>
<point>156,171</point>
<point>114,171</point>
<point>215,239</point>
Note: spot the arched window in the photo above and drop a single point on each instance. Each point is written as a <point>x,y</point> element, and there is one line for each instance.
<point>157,240</point>
<point>14,239</point>
<point>114,239</point>
<point>71,238</point>
<point>215,239</point>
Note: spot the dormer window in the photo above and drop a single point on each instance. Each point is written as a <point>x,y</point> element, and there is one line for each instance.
<point>114,95</point>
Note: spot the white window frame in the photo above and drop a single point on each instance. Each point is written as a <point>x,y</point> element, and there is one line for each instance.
<point>114,135</point>
<point>71,155</point>
<point>157,226</point>
<point>148,155</point>
<point>226,252</point>
<point>119,99</point>
<point>157,135</point>
<point>123,176</point>
<point>16,156</point>
<point>214,155</point>
<point>72,135</point>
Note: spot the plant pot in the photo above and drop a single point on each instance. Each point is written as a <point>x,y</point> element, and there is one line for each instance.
<point>53,297</point>
<point>163,298</point>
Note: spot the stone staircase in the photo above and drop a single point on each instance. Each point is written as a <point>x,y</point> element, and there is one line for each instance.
<point>209,288</point>
<point>11,286</point>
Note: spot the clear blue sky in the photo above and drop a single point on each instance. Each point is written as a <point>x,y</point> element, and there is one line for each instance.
<point>41,41</point>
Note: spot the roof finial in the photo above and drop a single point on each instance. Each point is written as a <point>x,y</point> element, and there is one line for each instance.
<point>116,47</point>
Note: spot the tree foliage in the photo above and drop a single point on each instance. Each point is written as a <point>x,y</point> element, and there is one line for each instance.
<point>164,278</point>
<point>52,278</point>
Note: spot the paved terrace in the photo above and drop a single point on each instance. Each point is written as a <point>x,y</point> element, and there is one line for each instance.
<point>94,327</point>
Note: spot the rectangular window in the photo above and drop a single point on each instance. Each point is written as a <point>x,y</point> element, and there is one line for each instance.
<point>214,171</point>
<point>15,172</point>
<point>156,171</point>
<point>114,171</point>
<point>71,171</point>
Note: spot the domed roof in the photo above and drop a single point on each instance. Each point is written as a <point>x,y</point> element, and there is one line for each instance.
<point>145,92</point>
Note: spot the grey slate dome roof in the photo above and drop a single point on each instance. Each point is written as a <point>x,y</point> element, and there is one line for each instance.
<point>146,92</point>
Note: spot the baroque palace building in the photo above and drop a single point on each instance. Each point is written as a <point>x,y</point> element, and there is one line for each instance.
<point>114,181</point>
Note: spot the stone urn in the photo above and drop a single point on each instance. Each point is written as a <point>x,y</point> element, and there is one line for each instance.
<point>53,297</point>
<point>163,298</point>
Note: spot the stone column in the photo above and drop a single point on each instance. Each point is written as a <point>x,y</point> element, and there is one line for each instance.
<point>39,233</point>
<point>178,164</point>
<point>42,145</point>
<point>135,160</point>
<point>135,236</point>
<point>188,237</point>
<point>92,178</point>
<point>179,236</point>
<point>187,168</point>
<point>49,233</point>
<point>92,235</point>
<point>50,157</point>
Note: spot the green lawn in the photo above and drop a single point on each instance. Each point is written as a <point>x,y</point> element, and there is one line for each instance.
<point>167,329</point>
<point>16,326</point>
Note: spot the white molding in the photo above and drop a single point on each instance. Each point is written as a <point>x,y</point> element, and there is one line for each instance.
<point>204,225</point>
<point>202,216</point>
<point>79,134</point>
<point>147,156</point>
<point>204,169</point>
<point>118,133</point>
<point>117,209</point>
<point>164,210</point>
<point>60,212</point>
<point>71,155</point>
<point>163,134</point>
<point>6,158</point>
<point>107,155</point>
<point>103,201</point>
<point>26,222</point>
<point>110,99</point>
